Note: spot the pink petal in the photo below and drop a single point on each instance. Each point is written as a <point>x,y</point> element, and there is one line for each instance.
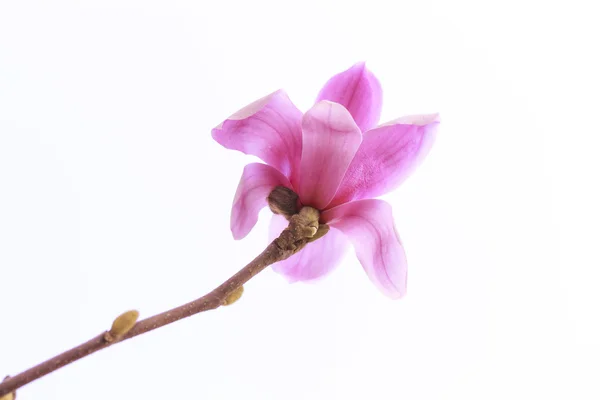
<point>387,156</point>
<point>359,91</point>
<point>369,225</point>
<point>251,196</point>
<point>269,128</point>
<point>330,138</point>
<point>315,260</point>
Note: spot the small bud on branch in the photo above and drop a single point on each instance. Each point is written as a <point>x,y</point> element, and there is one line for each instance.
<point>233,296</point>
<point>121,325</point>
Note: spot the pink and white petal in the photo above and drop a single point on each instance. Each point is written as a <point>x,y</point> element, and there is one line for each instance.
<point>369,225</point>
<point>269,128</point>
<point>315,260</point>
<point>359,91</point>
<point>330,139</point>
<point>387,156</point>
<point>258,180</point>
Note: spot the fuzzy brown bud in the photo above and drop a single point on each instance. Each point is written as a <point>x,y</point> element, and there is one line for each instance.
<point>304,227</point>
<point>283,201</point>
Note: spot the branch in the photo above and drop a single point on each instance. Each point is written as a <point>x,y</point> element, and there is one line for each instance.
<point>303,228</point>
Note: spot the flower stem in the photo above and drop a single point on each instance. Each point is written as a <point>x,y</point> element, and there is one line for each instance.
<point>291,240</point>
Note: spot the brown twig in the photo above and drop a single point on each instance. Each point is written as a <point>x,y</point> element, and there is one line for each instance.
<point>302,228</point>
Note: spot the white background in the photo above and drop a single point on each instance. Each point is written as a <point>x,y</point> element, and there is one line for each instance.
<point>114,196</point>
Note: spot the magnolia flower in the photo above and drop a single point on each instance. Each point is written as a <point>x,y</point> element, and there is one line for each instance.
<point>336,160</point>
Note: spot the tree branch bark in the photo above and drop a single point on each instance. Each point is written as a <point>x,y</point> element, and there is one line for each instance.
<point>302,228</point>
